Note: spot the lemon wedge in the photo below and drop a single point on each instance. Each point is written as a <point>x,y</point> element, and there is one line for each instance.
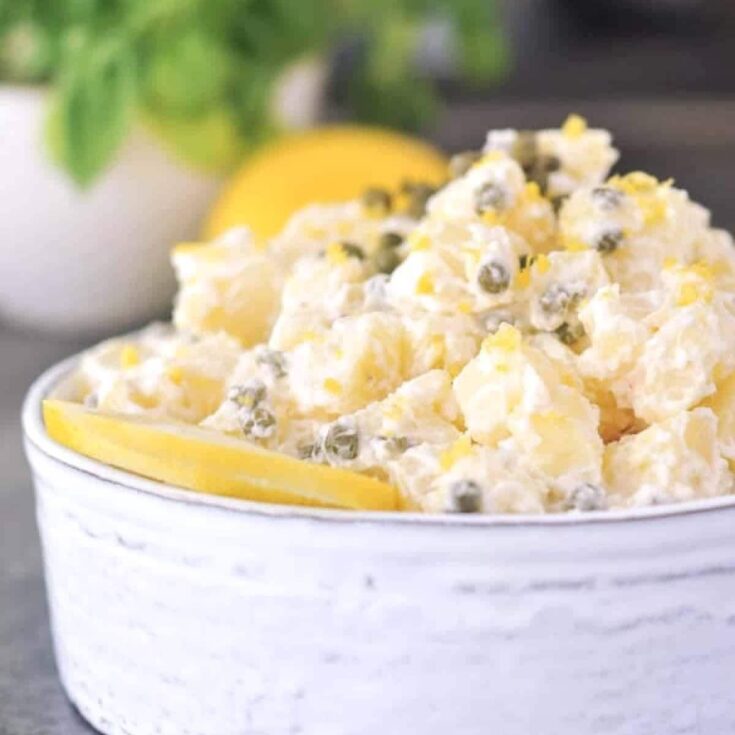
<point>209,462</point>
<point>328,164</point>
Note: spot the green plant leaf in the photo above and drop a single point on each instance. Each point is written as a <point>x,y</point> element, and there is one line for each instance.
<point>93,106</point>
<point>210,142</point>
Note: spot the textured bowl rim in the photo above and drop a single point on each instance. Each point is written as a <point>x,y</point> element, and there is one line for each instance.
<point>36,436</point>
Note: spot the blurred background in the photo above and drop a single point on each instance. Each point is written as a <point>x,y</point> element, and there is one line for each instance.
<point>121,120</point>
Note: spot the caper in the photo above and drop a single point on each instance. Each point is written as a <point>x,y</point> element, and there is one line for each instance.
<point>491,321</point>
<point>586,497</point>
<point>569,333</point>
<point>390,240</point>
<point>493,277</point>
<point>375,288</point>
<point>272,359</point>
<point>395,444</point>
<point>418,195</point>
<point>607,198</point>
<point>557,202</point>
<point>490,197</point>
<point>386,260</point>
<point>557,298</point>
<point>341,442</point>
<point>305,451</point>
<point>352,250</point>
<point>248,395</point>
<point>540,169</point>
<point>259,423</point>
<point>461,163</point>
<point>609,240</point>
<point>525,149</point>
<point>376,200</point>
<point>525,261</point>
<point>465,496</point>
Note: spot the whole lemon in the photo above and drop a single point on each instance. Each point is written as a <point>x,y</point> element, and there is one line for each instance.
<point>327,164</point>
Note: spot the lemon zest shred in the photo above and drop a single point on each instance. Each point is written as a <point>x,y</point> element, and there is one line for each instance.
<point>507,339</point>
<point>542,264</point>
<point>461,448</point>
<point>129,357</point>
<point>336,254</point>
<point>425,285</point>
<point>574,126</point>
<point>333,386</point>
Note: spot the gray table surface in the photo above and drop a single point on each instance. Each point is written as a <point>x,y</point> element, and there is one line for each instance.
<point>31,699</point>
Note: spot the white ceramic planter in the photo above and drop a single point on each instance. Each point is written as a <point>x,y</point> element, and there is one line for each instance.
<point>179,614</point>
<point>88,261</point>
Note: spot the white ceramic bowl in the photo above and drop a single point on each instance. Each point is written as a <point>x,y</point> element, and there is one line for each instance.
<point>180,614</point>
<point>92,261</point>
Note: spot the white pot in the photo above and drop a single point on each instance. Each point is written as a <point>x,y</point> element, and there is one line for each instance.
<point>177,613</point>
<point>88,261</point>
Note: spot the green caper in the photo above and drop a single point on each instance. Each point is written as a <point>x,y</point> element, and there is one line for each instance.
<point>490,197</point>
<point>259,423</point>
<point>493,277</point>
<point>586,497</point>
<point>540,169</point>
<point>248,395</point>
<point>556,298</point>
<point>341,442</point>
<point>352,250</point>
<point>607,198</point>
<point>386,260</point>
<point>274,360</point>
<point>609,240</point>
<point>525,261</point>
<point>418,194</point>
<point>557,202</point>
<point>525,148</point>
<point>396,444</point>
<point>569,333</point>
<point>461,163</point>
<point>536,165</point>
<point>306,451</point>
<point>465,496</point>
<point>377,201</point>
<point>390,240</point>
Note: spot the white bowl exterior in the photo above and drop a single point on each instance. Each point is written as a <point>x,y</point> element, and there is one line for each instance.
<point>89,261</point>
<point>174,615</point>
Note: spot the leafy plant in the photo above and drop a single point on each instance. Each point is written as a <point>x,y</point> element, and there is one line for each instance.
<point>202,73</point>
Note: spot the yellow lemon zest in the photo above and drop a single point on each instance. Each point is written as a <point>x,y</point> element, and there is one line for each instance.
<point>336,254</point>
<point>687,295</point>
<point>419,243</point>
<point>670,263</point>
<point>490,157</point>
<point>523,278</point>
<point>574,245</point>
<point>129,357</point>
<point>491,218</point>
<point>464,307</point>
<point>459,450</point>
<point>425,285</point>
<point>507,338</point>
<point>532,192</point>
<point>574,126</point>
<point>542,264</point>
<point>175,374</point>
<point>636,182</point>
<point>333,386</point>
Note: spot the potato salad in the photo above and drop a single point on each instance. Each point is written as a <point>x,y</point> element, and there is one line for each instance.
<point>534,336</point>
